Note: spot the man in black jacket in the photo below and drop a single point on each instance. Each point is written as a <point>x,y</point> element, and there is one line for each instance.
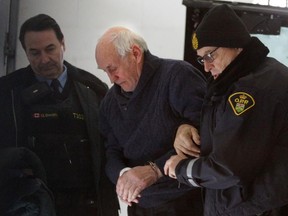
<point>242,167</point>
<point>51,107</point>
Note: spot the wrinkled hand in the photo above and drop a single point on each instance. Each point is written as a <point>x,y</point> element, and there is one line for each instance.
<point>135,180</point>
<point>187,141</point>
<point>170,165</point>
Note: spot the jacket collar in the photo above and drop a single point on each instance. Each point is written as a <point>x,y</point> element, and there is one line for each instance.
<point>247,61</point>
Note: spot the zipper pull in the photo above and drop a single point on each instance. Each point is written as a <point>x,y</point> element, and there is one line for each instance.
<point>70,161</point>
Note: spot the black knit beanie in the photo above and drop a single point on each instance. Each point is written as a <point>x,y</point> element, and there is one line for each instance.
<point>221,27</point>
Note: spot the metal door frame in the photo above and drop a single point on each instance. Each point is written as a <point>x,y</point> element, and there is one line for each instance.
<point>9,12</point>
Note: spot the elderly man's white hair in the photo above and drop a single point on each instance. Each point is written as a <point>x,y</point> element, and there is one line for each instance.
<point>123,39</point>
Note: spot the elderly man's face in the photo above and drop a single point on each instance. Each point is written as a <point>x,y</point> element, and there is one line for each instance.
<point>221,58</point>
<point>45,53</point>
<point>122,71</point>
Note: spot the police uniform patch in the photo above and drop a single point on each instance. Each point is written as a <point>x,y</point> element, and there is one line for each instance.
<point>194,41</point>
<point>38,115</point>
<point>241,102</point>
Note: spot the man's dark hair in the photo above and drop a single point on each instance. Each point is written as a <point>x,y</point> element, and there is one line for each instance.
<point>40,22</point>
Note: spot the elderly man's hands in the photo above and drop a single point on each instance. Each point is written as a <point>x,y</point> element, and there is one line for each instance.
<point>187,141</point>
<point>134,181</point>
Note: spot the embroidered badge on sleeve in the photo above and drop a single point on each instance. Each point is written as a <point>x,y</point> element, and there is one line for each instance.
<point>241,102</point>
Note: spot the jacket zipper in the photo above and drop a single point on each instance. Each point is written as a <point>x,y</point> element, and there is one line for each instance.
<point>68,155</point>
<point>14,117</point>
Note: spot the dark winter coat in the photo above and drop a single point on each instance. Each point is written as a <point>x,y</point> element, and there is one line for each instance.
<point>90,91</point>
<point>244,138</point>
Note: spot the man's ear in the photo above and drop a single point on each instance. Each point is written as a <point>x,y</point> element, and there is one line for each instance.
<point>63,47</point>
<point>137,52</point>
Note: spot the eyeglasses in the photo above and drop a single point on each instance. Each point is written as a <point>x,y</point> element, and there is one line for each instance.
<point>206,58</point>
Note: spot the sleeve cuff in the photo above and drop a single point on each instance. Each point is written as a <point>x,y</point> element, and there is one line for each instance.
<point>189,173</point>
<point>184,172</point>
<point>124,170</point>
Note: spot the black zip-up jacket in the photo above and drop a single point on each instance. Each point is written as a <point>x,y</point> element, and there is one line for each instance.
<point>244,138</point>
<point>90,91</point>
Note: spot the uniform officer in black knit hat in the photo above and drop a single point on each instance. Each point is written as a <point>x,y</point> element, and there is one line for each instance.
<point>243,166</point>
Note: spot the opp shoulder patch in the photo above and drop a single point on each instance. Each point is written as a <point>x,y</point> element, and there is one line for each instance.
<point>241,102</point>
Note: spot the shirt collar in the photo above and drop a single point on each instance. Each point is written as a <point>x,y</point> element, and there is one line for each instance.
<point>62,78</point>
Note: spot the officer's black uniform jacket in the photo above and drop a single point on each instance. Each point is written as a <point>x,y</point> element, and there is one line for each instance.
<point>90,91</point>
<point>243,166</point>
